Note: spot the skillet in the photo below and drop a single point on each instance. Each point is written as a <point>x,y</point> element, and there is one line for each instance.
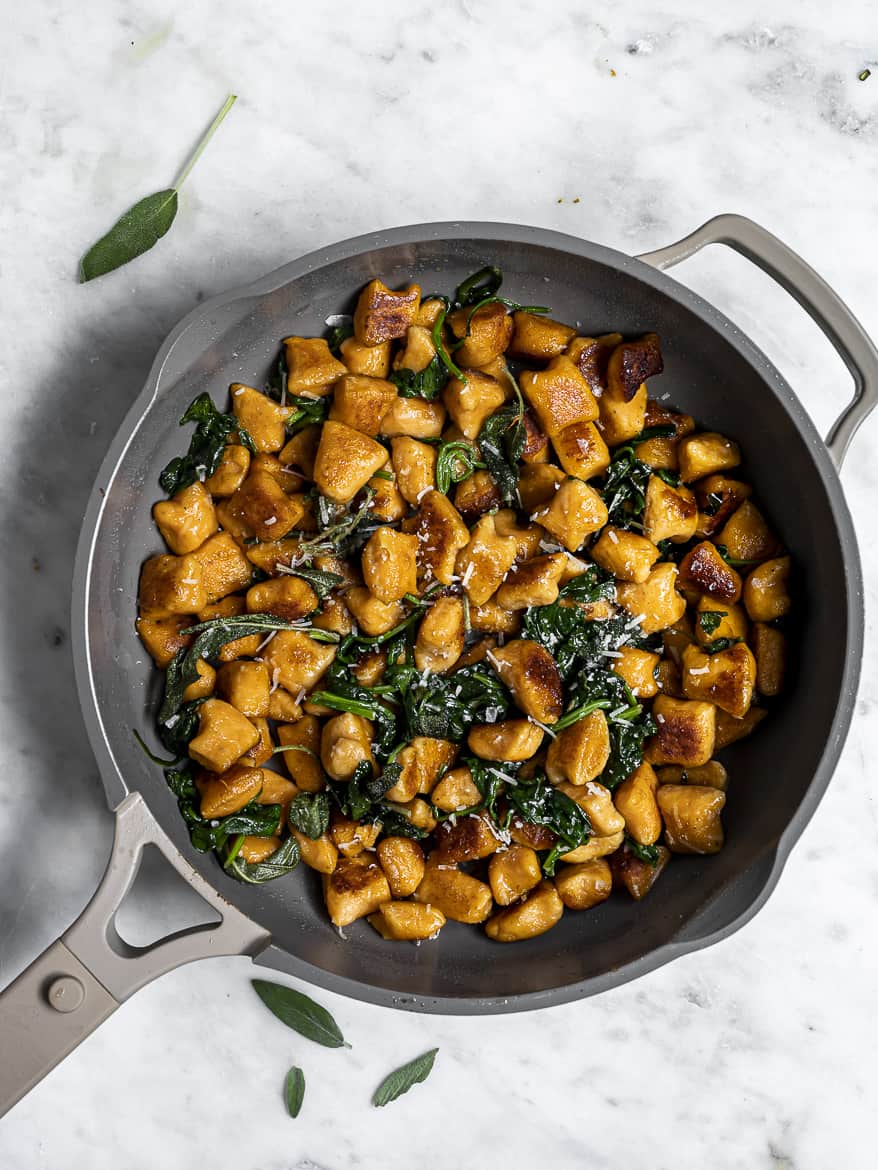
<point>713,371</point>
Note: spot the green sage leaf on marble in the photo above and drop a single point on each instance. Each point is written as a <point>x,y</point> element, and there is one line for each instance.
<point>294,1090</point>
<point>144,224</point>
<point>402,1079</point>
<point>300,1013</point>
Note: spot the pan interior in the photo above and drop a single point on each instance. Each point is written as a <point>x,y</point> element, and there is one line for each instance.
<point>710,373</point>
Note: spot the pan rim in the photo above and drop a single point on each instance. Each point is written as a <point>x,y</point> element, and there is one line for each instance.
<point>497,231</point>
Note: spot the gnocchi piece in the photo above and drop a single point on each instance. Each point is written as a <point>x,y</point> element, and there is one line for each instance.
<point>345,742</point>
<point>297,661</point>
<point>388,503</point>
<point>346,460</point>
<point>712,774</point>
<point>390,567</point>
<point>187,519</point>
<point>730,730</point>
<point>361,402</point>
<point>302,760</point>
<point>264,420</point>
<point>538,483</point>
<point>441,535</point>
<point>414,465</point>
<point>383,315</point>
<point>261,507</point>
<point>441,636</point>
<point>459,896</point>
<point>402,860</point>
<point>656,599</point>
<point>537,337</point>
<point>704,570</point>
<point>670,513</point>
<point>318,853</point>
<point>580,887</point>
<point>286,597</point>
<point>592,357</point>
<point>595,847</point>
<point>572,513</point>
<point>487,333</point>
<point>475,495</point>
<point>312,370</point>
<point>224,734</point>
<point>371,360</point>
<point>204,685</point>
<point>456,791</point>
<point>513,873</point>
<point>747,536</point>
<point>407,921</point>
<point>230,473</point>
<point>534,582</point>
<point>414,417</point>
<point>465,838</point>
<point>228,791</point>
<point>581,451</point>
<point>635,799</point>
<point>262,750</point>
<point>638,669</point>
<point>511,740</point>
<point>580,753</point>
<point>485,560</point>
<point>770,651</point>
<point>256,849</point>
<point>719,619</point>
<point>637,876</point>
<point>691,813</point>
<point>171,585</point>
<point>418,350</point>
<point>354,889</point>
<point>532,675</point>
<point>300,452</point>
<point>353,838</point>
<point>597,802</point>
<point>726,678</point>
<point>686,732</point>
<point>470,403</point>
<point>371,614</point>
<point>422,762</point>
<point>766,591</point>
<point>717,497</point>
<point>706,453</point>
<point>539,911</point>
<point>559,396</point>
<point>628,556</point>
<point>245,685</point>
<point>164,637</point>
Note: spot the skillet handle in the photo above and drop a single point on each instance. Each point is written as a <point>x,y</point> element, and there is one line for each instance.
<point>83,977</point>
<point>824,306</point>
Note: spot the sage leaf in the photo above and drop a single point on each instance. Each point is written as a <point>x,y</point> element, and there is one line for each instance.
<point>309,813</point>
<point>144,224</point>
<point>300,1013</point>
<point>402,1079</point>
<point>138,230</point>
<point>294,1089</point>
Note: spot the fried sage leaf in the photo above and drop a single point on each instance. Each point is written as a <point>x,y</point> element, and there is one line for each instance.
<point>294,1090</point>
<point>403,1078</point>
<point>300,1013</point>
<point>144,224</point>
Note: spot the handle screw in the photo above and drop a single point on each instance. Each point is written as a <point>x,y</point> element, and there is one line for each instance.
<point>65,993</point>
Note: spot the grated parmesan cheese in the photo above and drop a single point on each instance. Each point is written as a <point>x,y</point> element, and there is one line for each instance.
<point>612,536</point>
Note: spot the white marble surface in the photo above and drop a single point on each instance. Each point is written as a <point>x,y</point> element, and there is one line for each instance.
<point>760,1052</point>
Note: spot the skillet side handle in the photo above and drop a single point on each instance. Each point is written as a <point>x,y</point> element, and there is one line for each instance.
<point>824,306</point>
<point>83,977</point>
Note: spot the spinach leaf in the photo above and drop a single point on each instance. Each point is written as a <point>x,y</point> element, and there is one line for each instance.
<point>205,447</point>
<point>718,645</point>
<point>397,824</point>
<point>446,706</point>
<point>294,1091</point>
<point>144,224</point>
<point>300,1013</point>
<point>180,728</point>
<point>624,488</point>
<point>484,283</point>
<point>337,334</point>
<point>361,797</point>
<point>627,736</point>
<point>339,531</point>
<point>662,431</point>
<point>346,694</point>
<point>710,620</point>
<point>539,803</point>
<point>306,412</point>
<point>402,1079</point>
<point>455,461</point>
<point>595,584</point>
<point>439,344</point>
<point>309,813</point>
<point>713,503</point>
<point>427,383</point>
<point>501,441</point>
<point>574,640</point>
<point>647,853</point>
<point>256,873</point>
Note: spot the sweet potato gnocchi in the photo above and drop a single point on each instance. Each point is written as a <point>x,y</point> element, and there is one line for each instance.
<point>458,613</point>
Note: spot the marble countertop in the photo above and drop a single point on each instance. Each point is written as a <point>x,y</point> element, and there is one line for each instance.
<point>627,124</point>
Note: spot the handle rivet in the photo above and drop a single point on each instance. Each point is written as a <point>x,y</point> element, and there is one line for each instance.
<point>65,993</point>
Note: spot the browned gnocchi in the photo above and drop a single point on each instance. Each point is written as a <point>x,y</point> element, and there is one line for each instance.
<point>457,613</point>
